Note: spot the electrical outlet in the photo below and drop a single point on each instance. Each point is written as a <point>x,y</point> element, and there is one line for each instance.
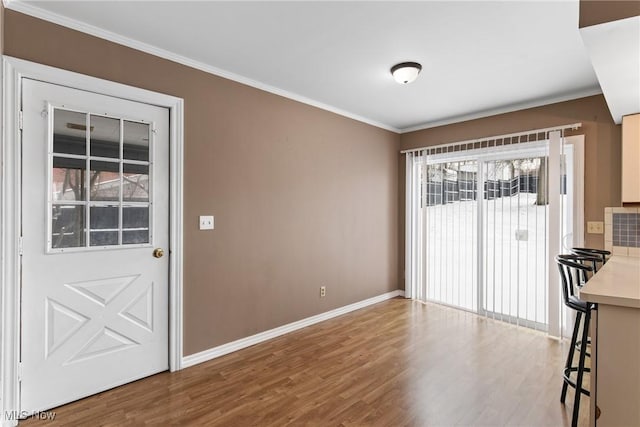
<point>206,222</point>
<point>595,227</point>
<point>323,291</point>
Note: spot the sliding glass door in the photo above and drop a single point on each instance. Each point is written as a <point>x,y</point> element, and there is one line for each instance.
<point>514,247</point>
<point>449,212</point>
<point>485,220</point>
<point>483,228</point>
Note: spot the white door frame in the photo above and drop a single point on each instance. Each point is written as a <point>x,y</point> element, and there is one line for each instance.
<point>13,71</point>
<point>577,143</point>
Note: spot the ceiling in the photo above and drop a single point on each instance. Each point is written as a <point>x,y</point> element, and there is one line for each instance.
<point>614,48</point>
<point>479,58</point>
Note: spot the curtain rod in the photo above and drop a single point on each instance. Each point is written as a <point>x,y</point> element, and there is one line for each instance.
<point>573,126</point>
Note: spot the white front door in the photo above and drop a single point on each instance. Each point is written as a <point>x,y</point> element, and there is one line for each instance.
<point>95,209</point>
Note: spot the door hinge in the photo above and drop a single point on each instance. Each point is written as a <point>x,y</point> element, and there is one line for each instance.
<point>20,119</point>
<point>20,246</point>
<point>19,371</point>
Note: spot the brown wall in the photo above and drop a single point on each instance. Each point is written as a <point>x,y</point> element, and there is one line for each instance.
<point>302,197</point>
<point>1,28</point>
<point>593,12</point>
<point>602,151</point>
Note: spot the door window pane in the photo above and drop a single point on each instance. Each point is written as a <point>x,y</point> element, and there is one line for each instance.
<point>104,221</point>
<point>135,224</point>
<point>68,179</point>
<point>104,217</point>
<point>105,181</point>
<point>104,238</point>
<point>69,132</point>
<point>136,141</point>
<point>106,184</point>
<point>67,226</point>
<point>130,237</point>
<point>135,217</point>
<point>105,137</point>
<point>135,186</point>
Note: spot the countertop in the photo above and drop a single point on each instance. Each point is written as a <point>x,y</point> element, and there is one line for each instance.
<point>616,283</point>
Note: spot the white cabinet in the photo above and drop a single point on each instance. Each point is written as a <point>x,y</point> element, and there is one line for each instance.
<point>631,159</point>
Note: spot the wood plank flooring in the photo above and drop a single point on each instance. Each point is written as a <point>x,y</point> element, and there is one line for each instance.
<point>397,363</point>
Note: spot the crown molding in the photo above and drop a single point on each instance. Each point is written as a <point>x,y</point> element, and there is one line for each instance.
<point>36,12</point>
<point>506,109</point>
<point>31,10</point>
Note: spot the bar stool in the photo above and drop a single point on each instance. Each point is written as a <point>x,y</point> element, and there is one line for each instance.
<point>575,270</point>
<point>600,254</point>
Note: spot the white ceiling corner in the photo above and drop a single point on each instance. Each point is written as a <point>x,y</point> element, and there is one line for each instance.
<point>479,57</point>
<point>614,48</point>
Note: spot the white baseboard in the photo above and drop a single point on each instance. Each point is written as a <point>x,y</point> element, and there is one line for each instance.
<point>212,353</point>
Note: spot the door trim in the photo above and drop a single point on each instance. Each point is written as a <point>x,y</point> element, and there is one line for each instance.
<point>13,71</point>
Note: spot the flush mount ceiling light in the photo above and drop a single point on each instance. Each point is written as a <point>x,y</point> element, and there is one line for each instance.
<point>406,72</point>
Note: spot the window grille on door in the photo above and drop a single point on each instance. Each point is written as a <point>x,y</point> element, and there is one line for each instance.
<point>99,176</point>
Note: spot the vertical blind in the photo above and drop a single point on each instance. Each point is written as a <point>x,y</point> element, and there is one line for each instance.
<point>482,227</point>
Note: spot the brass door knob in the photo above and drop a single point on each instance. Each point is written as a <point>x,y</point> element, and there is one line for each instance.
<point>158,252</point>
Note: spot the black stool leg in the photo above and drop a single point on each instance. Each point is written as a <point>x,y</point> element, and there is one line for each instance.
<point>567,366</point>
<point>583,350</point>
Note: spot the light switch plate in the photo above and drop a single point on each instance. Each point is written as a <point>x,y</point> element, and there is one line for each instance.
<point>595,227</point>
<point>206,222</point>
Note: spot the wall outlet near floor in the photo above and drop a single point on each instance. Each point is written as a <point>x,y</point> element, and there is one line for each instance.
<point>595,227</point>
<point>323,291</point>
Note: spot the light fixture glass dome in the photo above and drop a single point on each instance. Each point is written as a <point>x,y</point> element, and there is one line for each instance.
<point>406,72</point>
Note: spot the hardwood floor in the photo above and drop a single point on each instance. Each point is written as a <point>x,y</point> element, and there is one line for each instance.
<point>396,363</point>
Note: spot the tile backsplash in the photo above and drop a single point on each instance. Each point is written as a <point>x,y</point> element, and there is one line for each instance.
<point>622,231</point>
<point>625,229</point>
